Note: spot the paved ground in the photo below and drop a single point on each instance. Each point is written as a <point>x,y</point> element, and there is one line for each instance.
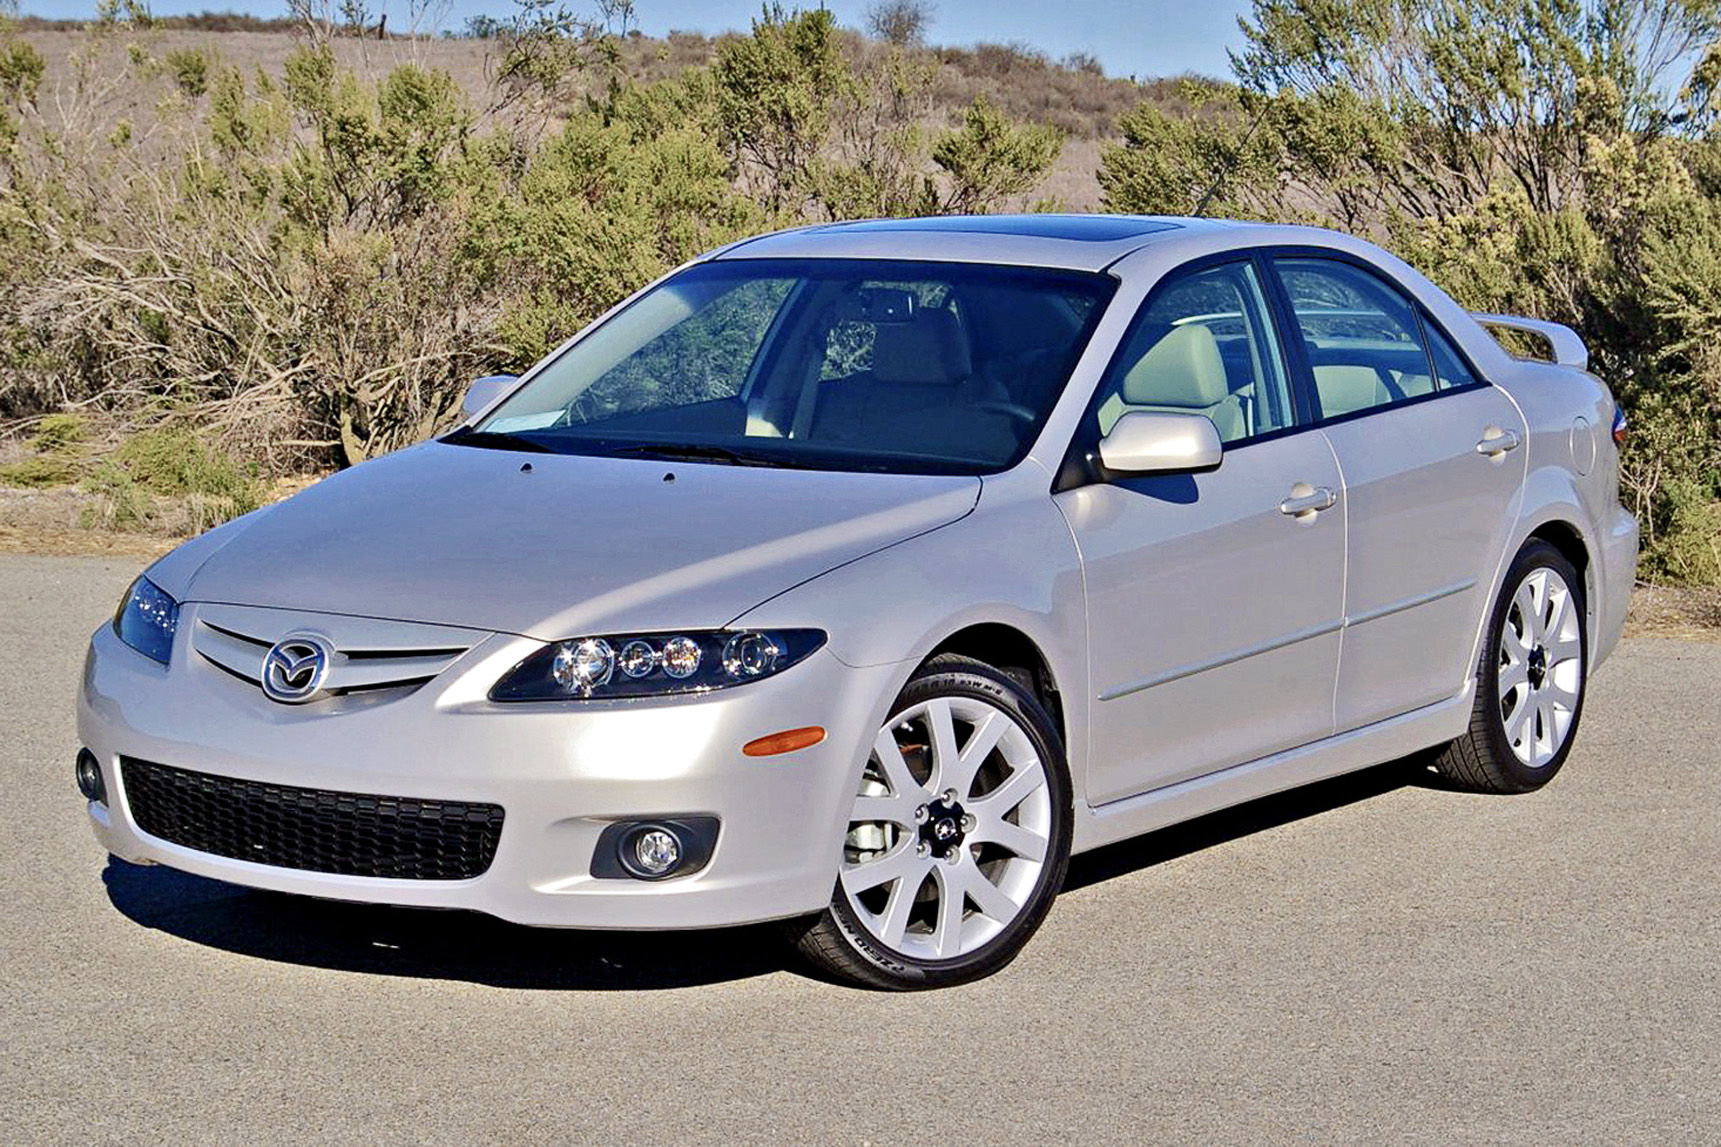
<point>1371,960</point>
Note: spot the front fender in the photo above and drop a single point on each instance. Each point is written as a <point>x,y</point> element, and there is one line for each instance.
<point>1011,562</point>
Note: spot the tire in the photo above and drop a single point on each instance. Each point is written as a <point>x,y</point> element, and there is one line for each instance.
<point>1530,681</point>
<point>989,834</point>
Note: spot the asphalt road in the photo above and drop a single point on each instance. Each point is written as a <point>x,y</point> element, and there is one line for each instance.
<point>1374,959</point>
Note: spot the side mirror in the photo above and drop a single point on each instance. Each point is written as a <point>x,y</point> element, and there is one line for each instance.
<point>485,391</point>
<point>1153,442</point>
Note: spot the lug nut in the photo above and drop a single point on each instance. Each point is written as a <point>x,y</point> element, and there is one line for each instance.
<point>968,822</point>
<point>920,815</point>
<point>949,796</point>
<point>922,849</point>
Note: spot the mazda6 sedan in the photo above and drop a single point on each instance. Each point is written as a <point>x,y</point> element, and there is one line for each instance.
<point>856,576</point>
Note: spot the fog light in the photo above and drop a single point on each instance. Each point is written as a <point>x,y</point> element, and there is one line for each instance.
<point>90,781</point>
<point>655,849</point>
<point>656,852</point>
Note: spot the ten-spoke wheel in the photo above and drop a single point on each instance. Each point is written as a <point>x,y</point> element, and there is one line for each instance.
<point>1530,683</point>
<point>957,839</point>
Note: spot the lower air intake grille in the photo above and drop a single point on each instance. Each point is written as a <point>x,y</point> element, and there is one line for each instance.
<point>316,830</point>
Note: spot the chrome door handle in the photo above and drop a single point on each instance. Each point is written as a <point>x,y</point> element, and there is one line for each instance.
<point>1320,498</point>
<point>1494,447</point>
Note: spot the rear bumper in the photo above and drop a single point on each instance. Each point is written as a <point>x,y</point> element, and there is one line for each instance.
<point>1618,575</point>
<point>562,773</point>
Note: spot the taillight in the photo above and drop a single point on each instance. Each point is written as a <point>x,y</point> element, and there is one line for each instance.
<point>1620,428</point>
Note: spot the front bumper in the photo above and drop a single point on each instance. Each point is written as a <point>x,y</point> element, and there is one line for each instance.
<point>562,773</point>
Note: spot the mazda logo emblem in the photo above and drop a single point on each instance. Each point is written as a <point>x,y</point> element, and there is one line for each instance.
<point>294,668</point>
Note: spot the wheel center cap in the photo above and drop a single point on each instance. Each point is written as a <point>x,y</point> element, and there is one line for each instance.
<point>942,830</point>
<point>1537,666</point>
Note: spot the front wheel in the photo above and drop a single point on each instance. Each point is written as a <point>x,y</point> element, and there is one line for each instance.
<point>958,837</point>
<point>1530,681</point>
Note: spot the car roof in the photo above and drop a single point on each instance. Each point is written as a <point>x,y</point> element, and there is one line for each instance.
<point>1074,242</point>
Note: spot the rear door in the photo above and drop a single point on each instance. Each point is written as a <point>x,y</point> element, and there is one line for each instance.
<point>1433,469</point>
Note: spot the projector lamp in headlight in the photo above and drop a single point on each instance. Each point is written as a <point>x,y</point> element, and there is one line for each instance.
<point>650,665</point>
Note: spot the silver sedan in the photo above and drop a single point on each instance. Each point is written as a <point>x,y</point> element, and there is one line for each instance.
<point>857,576</point>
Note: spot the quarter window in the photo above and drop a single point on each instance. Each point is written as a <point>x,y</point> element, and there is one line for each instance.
<point>1449,369</point>
<point>1204,345</point>
<point>1363,338</point>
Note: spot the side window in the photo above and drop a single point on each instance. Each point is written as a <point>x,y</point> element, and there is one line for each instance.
<point>1204,345</point>
<point>1363,338</point>
<point>1449,369</point>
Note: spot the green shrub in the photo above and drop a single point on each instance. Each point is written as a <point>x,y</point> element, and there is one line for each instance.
<point>168,481</point>
<point>190,70</point>
<point>61,434</point>
<point>177,463</point>
<point>120,504</point>
<point>1688,548</point>
<point>38,472</point>
<point>1540,157</point>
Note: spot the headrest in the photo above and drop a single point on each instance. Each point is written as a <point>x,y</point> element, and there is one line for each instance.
<point>928,350</point>
<point>1182,369</point>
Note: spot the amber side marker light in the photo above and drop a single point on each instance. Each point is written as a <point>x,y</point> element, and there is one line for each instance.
<point>785,742</point>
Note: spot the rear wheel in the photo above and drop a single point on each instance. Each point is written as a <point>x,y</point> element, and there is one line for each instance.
<point>958,836</point>
<point>1530,682</point>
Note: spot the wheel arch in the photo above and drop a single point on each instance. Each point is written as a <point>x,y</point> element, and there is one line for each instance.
<point>1565,537</point>
<point>1013,653</point>
<point>1557,524</point>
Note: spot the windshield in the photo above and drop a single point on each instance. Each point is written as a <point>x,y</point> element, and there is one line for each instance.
<point>840,364</point>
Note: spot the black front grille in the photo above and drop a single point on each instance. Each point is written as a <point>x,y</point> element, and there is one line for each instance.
<point>316,830</point>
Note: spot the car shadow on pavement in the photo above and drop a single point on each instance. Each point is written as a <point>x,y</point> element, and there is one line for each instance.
<point>1247,819</point>
<point>431,943</point>
<point>467,946</point>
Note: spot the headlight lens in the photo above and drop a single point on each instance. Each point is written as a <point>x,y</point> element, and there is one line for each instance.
<point>146,620</point>
<point>654,665</point>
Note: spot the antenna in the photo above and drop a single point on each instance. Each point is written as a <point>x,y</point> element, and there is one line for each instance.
<point>1242,146</point>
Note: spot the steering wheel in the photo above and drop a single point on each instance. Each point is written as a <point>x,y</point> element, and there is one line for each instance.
<point>1012,409</point>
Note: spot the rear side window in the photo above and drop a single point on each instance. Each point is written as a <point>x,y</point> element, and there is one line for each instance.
<point>1363,337</point>
<point>1449,369</point>
<point>1203,345</point>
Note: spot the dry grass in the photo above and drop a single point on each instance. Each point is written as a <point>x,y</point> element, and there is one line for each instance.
<point>1675,611</point>
<point>55,521</point>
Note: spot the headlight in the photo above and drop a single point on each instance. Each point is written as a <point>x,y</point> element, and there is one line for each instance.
<point>652,665</point>
<point>146,620</point>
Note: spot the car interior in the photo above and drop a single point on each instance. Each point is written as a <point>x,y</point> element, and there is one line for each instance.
<point>1197,351</point>
<point>923,367</point>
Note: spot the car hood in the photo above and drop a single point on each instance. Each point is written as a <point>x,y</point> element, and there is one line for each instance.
<point>554,545</point>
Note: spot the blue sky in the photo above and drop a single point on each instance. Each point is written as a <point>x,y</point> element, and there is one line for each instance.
<point>1130,37</point>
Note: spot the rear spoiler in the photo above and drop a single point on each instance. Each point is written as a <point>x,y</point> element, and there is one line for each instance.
<point>1563,342</point>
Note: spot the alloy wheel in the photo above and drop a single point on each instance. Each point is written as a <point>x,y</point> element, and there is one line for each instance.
<point>1541,666</point>
<point>950,829</point>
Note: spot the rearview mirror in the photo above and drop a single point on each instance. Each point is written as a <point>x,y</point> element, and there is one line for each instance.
<point>1153,442</point>
<point>485,391</point>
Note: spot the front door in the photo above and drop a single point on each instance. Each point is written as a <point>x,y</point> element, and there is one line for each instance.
<point>1215,600</point>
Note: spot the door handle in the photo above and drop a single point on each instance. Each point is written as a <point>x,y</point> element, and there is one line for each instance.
<point>1507,440</point>
<point>1316,500</point>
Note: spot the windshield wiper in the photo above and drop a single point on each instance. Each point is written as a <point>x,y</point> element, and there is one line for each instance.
<point>691,452</point>
<point>496,440</point>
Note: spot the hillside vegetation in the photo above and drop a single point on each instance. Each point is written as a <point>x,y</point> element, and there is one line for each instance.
<point>230,253</point>
<point>1556,158</point>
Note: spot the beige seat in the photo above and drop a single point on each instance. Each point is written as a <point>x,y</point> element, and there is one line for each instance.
<point>1346,389</point>
<point>1182,373</point>
<point>919,394</point>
